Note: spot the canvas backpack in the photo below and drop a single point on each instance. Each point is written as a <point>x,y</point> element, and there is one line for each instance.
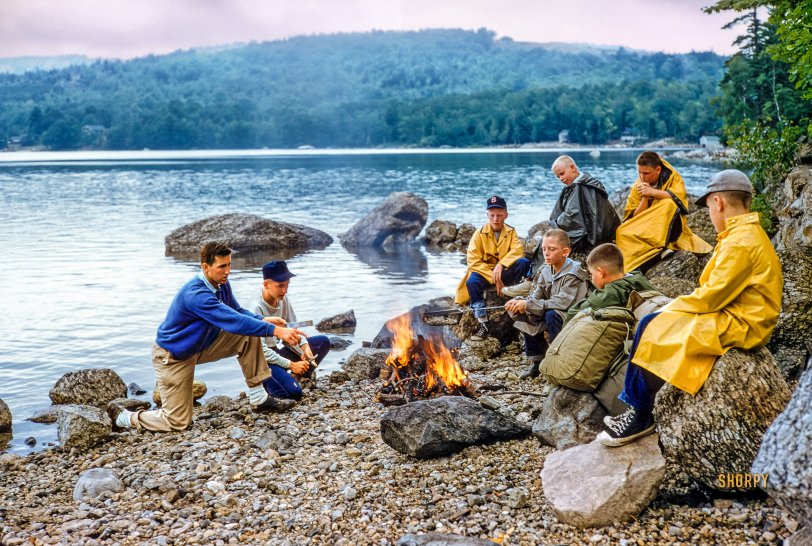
<point>641,304</point>
<point>581,353</point>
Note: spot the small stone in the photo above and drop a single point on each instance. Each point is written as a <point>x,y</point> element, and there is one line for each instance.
<point>722,504</point>
<point>30,441</point>
<point>349,493</point>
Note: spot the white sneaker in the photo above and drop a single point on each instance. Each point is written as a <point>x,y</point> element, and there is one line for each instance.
<point>522,289</point>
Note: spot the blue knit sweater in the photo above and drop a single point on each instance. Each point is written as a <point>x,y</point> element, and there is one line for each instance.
<point>197,315</point>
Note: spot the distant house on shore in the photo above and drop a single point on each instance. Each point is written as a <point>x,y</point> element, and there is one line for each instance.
<point>92,130</point>
<point>15,143</point>
<point>710,142</point>
<point>563,136</point>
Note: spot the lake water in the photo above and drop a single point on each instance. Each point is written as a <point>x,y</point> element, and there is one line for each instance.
<point>88,282</point>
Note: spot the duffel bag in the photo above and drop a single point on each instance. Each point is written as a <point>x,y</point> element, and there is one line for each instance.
<point>582,352</point>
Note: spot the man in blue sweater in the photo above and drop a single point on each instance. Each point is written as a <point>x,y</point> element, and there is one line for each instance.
<point>205,323</point>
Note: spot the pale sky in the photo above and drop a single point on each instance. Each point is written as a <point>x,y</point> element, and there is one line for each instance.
<point>132,28</point>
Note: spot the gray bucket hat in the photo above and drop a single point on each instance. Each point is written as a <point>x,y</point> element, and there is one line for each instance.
<point>727,180</point>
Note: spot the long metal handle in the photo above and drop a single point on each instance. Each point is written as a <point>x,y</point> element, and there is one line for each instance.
<point>443,312</point>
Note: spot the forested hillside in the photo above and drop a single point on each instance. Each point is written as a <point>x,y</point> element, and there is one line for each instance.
<point>428,88</point>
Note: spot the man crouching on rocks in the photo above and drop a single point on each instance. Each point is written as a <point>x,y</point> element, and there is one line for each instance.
<point>205,323</point>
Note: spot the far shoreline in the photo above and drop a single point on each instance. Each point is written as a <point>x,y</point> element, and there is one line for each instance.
<point>44,156</point>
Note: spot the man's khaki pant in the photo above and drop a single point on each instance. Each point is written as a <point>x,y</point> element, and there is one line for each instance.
<point>175,378</point>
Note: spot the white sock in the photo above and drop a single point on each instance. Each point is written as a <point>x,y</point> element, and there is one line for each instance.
<point>123,419</point>
<point>257,395</point>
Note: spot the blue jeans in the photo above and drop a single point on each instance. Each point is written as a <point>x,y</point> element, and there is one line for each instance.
<point>281,384</point>
<point>320,345</point>
<point>536,345</point>
<point>477,284</point>
<point>641,386</point>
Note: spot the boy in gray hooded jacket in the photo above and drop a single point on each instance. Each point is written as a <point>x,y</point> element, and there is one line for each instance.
<point>556,287</point>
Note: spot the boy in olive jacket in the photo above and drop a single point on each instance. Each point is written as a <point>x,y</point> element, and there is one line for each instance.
<point>614,287</point>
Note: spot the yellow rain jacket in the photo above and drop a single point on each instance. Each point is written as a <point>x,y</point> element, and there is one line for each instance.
<point>736,305</point>
<point>484,253</point>
<point>643,236</point>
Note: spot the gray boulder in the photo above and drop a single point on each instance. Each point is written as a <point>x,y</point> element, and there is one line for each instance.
<point>718,431</point>
<point>568,418</point>
<point>338,343</point>
<point>480,349</point>
<point>442,539</point>
<point>217,405</point>
<point>82,426</point>
<point>95,481</point>
<point>397,220</point>
<point>792,337</point>
<point>445,235</point>
<point>681,265</point>
<point>794,209</point>
<point>445,425</point>
<point>440,233</point>
<point>340,322</point>
<point>245,233</point>
<point>594,486</point>
<point>5,417</point>
<point>785,455</point>
<point>95,387</point>
<point>132,404</point>
<point>700,223</point>
<point>674,287</point>
<point>365,363</point>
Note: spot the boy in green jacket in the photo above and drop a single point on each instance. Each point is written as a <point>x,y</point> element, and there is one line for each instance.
<point>605,264</point>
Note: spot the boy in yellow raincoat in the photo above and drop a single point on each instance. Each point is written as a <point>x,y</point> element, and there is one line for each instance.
<point>495,257</point>
<point>654,218</point>
<point>736,305</point>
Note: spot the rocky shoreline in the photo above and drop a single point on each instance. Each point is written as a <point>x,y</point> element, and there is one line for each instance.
<point>321,474</point>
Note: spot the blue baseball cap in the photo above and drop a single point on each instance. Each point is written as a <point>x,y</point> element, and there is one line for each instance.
<point>496,202</point>
<point>277,270</point>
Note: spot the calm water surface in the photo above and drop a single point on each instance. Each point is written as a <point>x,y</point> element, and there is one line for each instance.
<point>87,282</point>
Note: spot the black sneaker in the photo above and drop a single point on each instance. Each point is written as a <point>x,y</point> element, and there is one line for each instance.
<point>114,409</point>
<point>273,403</point>
<point>626,428</point>
<point>482,333</point>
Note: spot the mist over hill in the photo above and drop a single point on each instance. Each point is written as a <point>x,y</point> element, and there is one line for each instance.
<point>427,88</point>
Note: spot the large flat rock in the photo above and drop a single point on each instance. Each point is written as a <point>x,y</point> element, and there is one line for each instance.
<point>446,425</point>
<point>245,233</point>
<point>593,485</point>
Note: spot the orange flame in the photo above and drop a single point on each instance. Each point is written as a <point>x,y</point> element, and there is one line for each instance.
<point>440,364</point>
<point>443,364</point>
<point>401,327</point>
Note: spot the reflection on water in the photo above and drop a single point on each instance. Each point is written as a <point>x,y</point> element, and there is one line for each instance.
<point>88,282</point>
<point>405,262</point>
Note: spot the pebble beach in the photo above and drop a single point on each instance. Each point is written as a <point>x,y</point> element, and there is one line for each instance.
<point>320,474</point>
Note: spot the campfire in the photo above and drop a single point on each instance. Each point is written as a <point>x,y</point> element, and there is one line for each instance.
<point>421,367</point>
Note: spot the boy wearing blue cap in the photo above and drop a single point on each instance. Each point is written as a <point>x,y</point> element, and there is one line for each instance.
<point>273,302</point>
<point>495,257</point>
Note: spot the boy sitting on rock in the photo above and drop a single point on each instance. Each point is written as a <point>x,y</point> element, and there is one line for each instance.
<point>614,287</point>
<point>736,305</point>
<point>495,257</point>
<point>559,283</point>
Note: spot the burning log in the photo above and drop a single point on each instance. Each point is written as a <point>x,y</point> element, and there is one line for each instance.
<point>421,368</point>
